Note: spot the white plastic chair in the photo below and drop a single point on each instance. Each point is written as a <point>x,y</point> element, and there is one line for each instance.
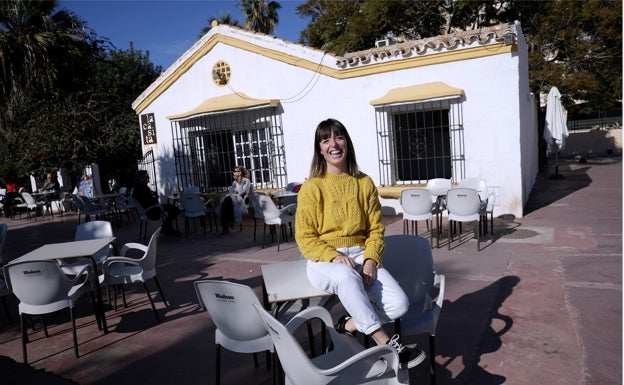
<point>275,217</point>
<point>238,326</point>
<point>42,288</point>
<point>463,205</point>
<point>410,261</point>
<point>193,208</point>
<point>86,231</point>
<point>256,211</point>
<point>347,363</point>
<point>417,205</point>
<point>143,218</point>
<point>437,188</point>
<point>123,270</point>
<point>488,200</point>
<point>31,204</point>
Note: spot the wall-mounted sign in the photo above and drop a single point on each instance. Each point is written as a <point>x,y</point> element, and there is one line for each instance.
<point>148,128</point>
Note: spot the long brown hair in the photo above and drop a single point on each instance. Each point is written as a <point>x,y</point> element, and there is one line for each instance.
<point>324,131</point>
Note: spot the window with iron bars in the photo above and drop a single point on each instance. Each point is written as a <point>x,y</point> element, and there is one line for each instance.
<point>420,141</point>
<point>207,148</point>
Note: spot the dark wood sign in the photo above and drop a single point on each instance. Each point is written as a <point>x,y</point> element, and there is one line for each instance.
<point>148,128</point>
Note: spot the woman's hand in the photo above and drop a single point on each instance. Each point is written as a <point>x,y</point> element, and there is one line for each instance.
<point>344,260</point>
<point>369,272</point>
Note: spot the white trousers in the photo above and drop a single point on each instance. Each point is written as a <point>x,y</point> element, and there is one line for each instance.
<point>383,302</point>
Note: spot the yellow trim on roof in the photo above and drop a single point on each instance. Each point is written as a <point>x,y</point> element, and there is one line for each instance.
<point>235,101</point>
<point>425,91</point>
<point>338,73</point>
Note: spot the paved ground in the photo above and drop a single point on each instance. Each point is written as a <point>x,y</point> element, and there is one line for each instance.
<point>541,304</point>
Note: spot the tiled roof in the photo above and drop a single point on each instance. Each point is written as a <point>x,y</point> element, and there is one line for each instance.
<point>411,48</point>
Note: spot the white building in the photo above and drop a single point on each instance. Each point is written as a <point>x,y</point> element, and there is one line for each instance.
<point>451,106</point>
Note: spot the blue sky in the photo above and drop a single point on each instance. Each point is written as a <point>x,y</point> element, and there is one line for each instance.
<point>167,28</point>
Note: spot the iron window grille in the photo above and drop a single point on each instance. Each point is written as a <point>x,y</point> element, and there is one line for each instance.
<point>208,147</point>
<point>418,141</point>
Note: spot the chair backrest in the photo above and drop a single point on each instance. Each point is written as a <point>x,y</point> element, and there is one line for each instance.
<point>410,261</point>
<point>93,230</point>
<point>30,201</point>
<point>37,282</point>
<point>476,184</point>
<point>78,202</point>
<point>438,186</point>
<point>148,261</point>
<point>416,201</point>
<point>293,360</point>
<point>4,228</point>
<point>255,205</point>
<point>229,305</point>
<point>463,201</point>
<point>191,203</point>
<point>267,206</point>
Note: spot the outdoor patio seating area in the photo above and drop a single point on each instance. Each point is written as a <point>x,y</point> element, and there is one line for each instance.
<point>539,303</point>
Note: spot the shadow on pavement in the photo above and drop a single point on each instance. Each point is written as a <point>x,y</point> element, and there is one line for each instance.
<point>466,323</point>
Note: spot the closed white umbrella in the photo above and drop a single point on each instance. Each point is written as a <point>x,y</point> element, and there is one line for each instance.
<point>556,128</point>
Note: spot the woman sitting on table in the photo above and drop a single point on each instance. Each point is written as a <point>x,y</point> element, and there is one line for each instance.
<point>146,198</point>
<point>339,230</point>
<point>234,204</point>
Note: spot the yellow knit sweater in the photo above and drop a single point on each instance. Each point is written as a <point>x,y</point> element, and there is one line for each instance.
<point>339,211</point>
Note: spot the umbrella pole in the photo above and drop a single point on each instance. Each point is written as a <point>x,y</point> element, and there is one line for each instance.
<point>556,147</point>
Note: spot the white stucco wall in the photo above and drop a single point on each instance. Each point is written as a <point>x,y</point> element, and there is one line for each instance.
<point>495,108</point>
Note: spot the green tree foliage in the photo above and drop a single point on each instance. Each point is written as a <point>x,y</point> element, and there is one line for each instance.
<point>574,45</point>
<point>37,44</point>
<point>348,26</point>
<point>260,15</point>
<point>83,117</point>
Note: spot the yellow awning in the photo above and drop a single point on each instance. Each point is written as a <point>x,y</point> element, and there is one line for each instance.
<point>237,101</point>
<point>425,91</point>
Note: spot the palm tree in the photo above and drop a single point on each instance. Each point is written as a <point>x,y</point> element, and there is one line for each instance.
<point>261,15</point>
<point>36,41</point>
<point>223,19</point>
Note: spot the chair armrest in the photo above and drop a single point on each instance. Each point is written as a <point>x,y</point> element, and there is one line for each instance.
<point>440,280</point>
<point>308,314</point>
<point>78,278</point>
<point>132,246</point>
<point>381,358</point>
<point>290,209</point>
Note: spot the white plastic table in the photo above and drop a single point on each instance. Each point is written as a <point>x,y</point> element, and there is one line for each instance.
<point>74,249</point>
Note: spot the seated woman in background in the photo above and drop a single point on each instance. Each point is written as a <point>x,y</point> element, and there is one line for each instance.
<point>234,204</point>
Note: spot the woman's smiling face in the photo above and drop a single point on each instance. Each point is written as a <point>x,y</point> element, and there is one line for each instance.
<point>334,150</point>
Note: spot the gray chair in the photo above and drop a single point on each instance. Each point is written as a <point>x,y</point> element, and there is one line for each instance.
<point>238,326</point>
<point>417,205</point>
<point>86,231</point>
<point>123,270</point>
<point>346,363</point>
<point>410,261</point>
<point>193,208</point>
<point>42,288</point>
<point>488,199</point>
<point>275,218</point>
<point>463,205</point>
